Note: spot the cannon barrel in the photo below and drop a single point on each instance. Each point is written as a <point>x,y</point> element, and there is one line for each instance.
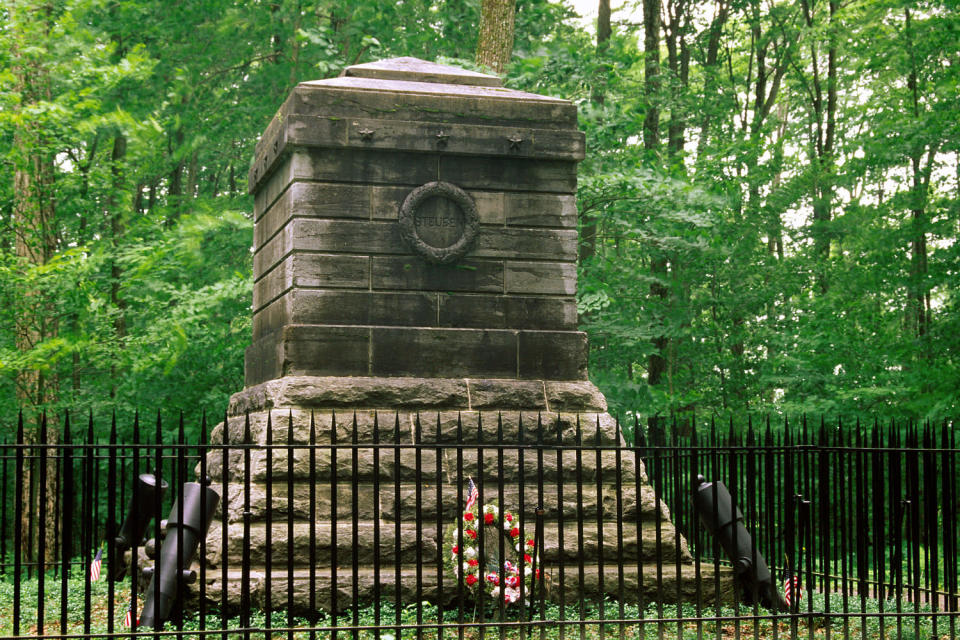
<point>140,510</point>
<point>714,504</point>
<point>172,566</point>
<point>143,498</point>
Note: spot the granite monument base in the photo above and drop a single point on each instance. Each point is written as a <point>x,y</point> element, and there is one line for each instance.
<point>374,519</point>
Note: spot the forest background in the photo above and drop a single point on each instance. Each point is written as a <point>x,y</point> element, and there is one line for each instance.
<point>769,207</point>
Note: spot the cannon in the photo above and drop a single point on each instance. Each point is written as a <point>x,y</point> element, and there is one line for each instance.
<point>144,497</point>
<point>186,526</point>
<point>714,504</point>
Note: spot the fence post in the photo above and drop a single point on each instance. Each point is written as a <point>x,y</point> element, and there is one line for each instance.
<point>18,525</point>
<point>66,543</point>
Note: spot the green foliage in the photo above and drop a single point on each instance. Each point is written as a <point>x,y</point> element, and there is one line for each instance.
<point>796,275</point>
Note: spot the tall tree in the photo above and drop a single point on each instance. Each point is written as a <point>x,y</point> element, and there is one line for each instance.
<point>495,44</point>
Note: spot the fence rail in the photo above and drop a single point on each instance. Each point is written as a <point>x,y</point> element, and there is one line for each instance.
<point>347,525</point>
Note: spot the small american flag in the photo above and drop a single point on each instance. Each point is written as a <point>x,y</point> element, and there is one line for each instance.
<point>96,565</point>
<point>472,493</point>
<point>128,618</point>
<point>791,586</point>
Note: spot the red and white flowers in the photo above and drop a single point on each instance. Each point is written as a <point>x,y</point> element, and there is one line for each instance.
<point>464,556</point>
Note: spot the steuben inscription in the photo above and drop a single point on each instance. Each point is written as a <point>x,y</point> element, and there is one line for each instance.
<point>439,221</point>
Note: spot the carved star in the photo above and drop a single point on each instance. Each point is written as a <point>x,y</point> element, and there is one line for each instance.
<point>442,138</point>
<point>366,134</point>
<point>515,142</point>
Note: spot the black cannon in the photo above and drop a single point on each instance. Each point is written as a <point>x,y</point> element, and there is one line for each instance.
<point>713,502</point>
<point>143,499</point>
<point>183,536</point>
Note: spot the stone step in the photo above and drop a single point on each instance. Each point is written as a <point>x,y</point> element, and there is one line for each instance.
<point>556,500</point>
<point>363,463</point>
<point>445,427</point>
<point>577,542</point>
<point>692,585</point>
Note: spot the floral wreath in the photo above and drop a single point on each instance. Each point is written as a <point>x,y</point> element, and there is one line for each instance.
<point>475,576</point>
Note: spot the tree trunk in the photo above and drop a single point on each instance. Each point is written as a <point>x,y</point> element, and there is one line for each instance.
<point>35,243</point>
<point>116,232</point>
<point>588,226</point>
<point>651,73</point>
<point>656,363</point>
<point>495,44</point>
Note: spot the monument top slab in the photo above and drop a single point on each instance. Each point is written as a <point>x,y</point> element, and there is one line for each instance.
<point>409,105</point>
<point>417,70</point>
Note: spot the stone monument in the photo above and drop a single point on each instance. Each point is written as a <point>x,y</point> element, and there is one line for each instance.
<point>415,255</point>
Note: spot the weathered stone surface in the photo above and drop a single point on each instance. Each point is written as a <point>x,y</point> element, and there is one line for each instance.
<point>520,427</point>
<point>486,394</point>
<point>431,102</point>
<point>311,270</point>
<point>281,506</point>
<point>574,396</point>
<point>323,350</point>
<point>341,307</point>
<point>261,360</point>
<point>561,544</point>
<point>408,272</point>
<point>416,70</point>
<point>540,210</point>
<point>303,426</point>
<point>558,499</point>
<point>543,244</point>
<point>313,200</point>
<point>360,392</point>
<point>318,540</point>
<point>440,352</point>
<point>541,277</point>
<point>391,168</point>
<point>319,465</point>
<point>507,312</point>
<point>648,582</point>
<point>383,237</point>
<point>502,396</point>
<point>552,355</point>
<point>362,464</point>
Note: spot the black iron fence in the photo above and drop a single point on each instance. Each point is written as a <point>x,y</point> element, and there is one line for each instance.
<point>385,525</point>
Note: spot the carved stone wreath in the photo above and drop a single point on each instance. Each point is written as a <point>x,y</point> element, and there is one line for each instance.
<point>408,222</point>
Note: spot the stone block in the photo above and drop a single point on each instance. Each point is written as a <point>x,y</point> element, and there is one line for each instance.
<point>271,188</point>
<point>553,355</point>
<point>560,501</point>
<point>263,360</point>
<point>443,352</point>
<point>494,394</point>
<point>390,168</point>
<point>303,426</point>
<point>543,244</point>
<point>559,278</point>
<point>574,396</point>
<point>435,103</point>
<point>319,541</point>
<point>310,270</point>
<point>540,210</point>
<point>324,351</point>
<point>509,174</point>
<point>319,464</point>
<point>281,506</point>
<point>507,312</point>
<point>410,272</point>
<point>313,200</point>
<point>340,307</point>
<point>354,392</point>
